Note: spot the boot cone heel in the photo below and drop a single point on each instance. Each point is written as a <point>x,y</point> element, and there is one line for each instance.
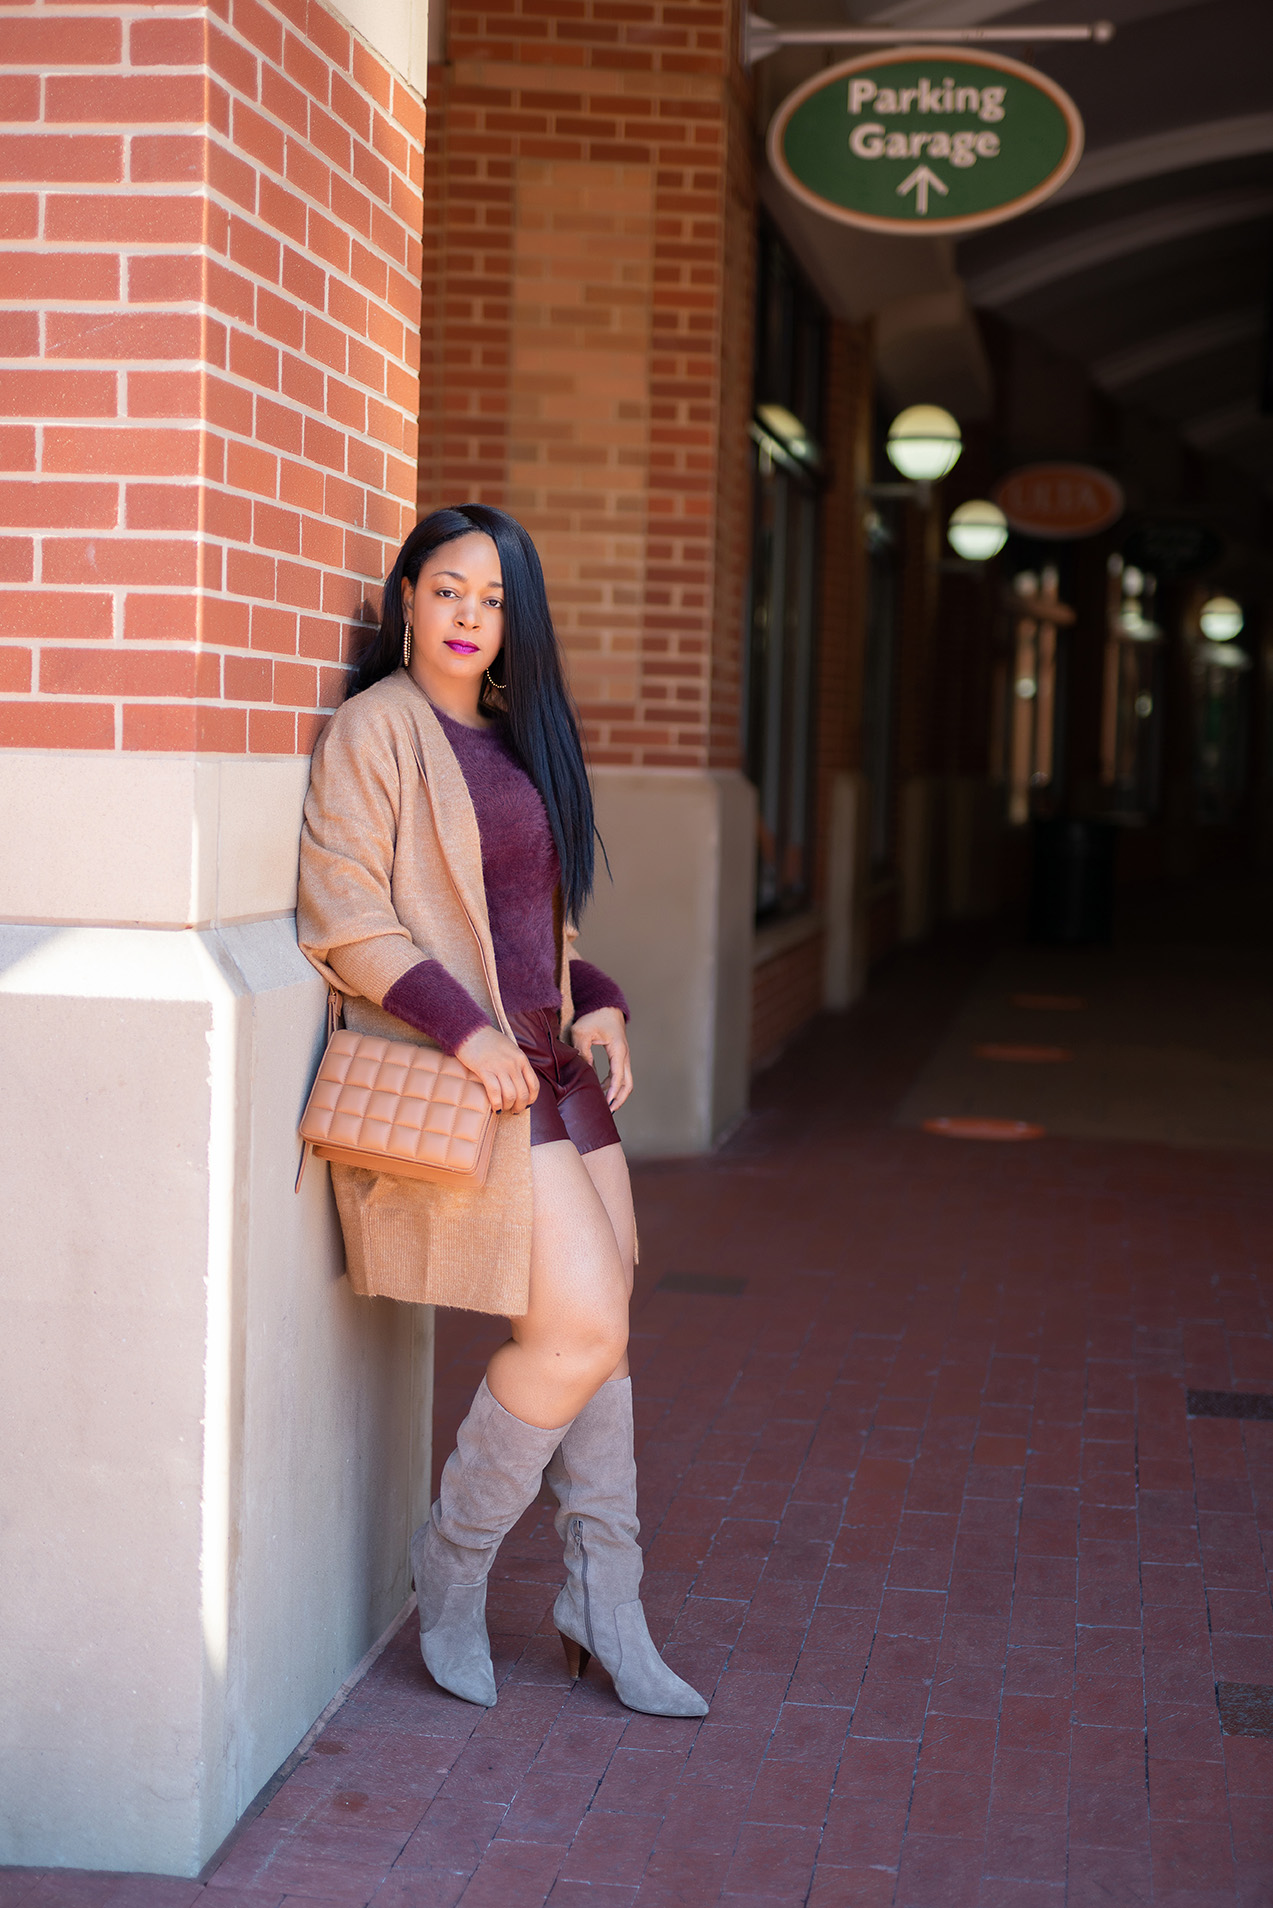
<point>577,1657</point>
<point>598,1612</point>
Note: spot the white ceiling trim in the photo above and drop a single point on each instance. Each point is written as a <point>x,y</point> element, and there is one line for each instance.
<point>1030,271</point>
<point>1159,154</point>
<point>1170,348</point>
<point>946,13</point>
<point>951,13</point>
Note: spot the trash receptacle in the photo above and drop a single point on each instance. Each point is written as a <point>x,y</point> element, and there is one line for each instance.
<point>1072,882</point>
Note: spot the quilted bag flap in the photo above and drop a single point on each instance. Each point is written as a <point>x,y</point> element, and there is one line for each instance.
<point>392,1106</point>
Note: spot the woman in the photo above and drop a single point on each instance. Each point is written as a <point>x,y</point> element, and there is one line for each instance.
<point>446,855</point>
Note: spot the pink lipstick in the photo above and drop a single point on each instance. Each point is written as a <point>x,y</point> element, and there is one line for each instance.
<point>461,648</point>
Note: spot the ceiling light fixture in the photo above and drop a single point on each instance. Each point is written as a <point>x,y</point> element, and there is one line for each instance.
<point>788,429</point>
<point>1221,619</point>
<point>924,443</point>
<point>977,530</point>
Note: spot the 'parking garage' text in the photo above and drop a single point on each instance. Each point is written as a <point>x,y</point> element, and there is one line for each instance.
<point>872,141</point>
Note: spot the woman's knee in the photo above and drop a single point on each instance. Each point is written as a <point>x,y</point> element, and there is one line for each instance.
<point>585,1340</point>
<point>611,1342</point>
<point>600,1336</point>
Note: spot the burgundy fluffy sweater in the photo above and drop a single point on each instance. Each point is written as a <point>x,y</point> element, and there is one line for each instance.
<point>521,871</point>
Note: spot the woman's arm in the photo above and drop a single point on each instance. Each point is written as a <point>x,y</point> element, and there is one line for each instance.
<point>434,1003</point>
<point>601,1016</point>
<point>344,900</point>
<point>590,989</point>
<point>347,925</point>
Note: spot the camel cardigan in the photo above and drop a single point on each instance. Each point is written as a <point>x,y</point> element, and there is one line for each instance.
<point>391,875</point>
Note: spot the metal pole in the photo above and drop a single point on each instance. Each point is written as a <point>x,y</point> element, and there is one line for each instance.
<point>761,37</point>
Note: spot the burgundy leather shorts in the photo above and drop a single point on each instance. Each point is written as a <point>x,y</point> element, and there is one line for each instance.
<point>572,1101</point>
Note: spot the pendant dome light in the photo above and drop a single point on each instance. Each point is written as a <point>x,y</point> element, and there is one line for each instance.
<point>924,443</point>
<point>1221,619</point>
<point>977,530</point>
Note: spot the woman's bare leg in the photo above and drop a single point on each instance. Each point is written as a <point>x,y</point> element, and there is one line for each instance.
<point>574,1333</point>
<point>592,1474</point>
<point>607,1168</point>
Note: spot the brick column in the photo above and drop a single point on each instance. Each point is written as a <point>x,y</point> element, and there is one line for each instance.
<point>207,369</point>
<point>209,294</point>
<point>587,316</point>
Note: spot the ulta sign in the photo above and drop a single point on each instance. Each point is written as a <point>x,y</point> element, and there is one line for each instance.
<point>923,140</point>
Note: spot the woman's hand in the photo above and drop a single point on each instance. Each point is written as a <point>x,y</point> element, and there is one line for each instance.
<point>606,1027</point>
<point>499,1063</point>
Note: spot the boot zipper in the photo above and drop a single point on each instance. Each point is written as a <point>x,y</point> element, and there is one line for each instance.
<point>583,1577</point>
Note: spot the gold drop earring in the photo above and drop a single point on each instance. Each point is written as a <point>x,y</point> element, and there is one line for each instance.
<point>406,646</point>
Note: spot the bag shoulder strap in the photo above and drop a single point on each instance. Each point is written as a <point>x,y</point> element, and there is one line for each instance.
<point>335,1019</point>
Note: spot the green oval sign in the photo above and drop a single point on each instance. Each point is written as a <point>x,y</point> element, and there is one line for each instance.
<point>924,140</point>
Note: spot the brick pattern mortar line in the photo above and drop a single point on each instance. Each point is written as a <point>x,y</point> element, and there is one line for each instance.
<point>213,547</point>
<point>655,94</point>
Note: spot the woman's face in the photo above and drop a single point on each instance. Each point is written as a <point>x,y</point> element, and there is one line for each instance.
<point>457,608</point>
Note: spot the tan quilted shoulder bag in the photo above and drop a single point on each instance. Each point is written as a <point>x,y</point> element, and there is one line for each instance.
<point>393,1107</point>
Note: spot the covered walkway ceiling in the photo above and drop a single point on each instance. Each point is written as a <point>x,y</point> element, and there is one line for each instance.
<point>1153,265</point>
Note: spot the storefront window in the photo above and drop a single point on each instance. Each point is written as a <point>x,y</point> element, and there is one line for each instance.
<point>1133,698</point>
<point>1221,722</point>
<point>1028,689</point>
<point>782,608</point>
<point>879,689</point>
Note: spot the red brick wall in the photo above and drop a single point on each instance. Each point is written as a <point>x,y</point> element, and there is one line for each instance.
<point>786,994</point>
<point>587,263</point>
<point>208,352</point>
<point>736,494</point>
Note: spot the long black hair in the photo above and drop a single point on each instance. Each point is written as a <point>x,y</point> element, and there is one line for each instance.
<point>535,704</point>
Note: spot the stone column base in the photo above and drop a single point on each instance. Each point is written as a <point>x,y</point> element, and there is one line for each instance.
<point>675,930</point>
<point>215,1453</point>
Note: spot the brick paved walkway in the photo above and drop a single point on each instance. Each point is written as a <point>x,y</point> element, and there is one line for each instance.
<point>924,1511</point>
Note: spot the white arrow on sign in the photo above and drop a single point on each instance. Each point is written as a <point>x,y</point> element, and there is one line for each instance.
<point>922,179</point>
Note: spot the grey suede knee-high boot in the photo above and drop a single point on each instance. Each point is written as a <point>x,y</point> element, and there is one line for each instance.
<point>494,1472</point>
<point>598,1613</point>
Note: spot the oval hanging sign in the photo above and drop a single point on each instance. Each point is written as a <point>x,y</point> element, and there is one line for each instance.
<point>1059,500</point>
<point>923,140</point>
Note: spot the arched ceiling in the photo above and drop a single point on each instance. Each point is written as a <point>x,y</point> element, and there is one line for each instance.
<point>1154,265</point>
